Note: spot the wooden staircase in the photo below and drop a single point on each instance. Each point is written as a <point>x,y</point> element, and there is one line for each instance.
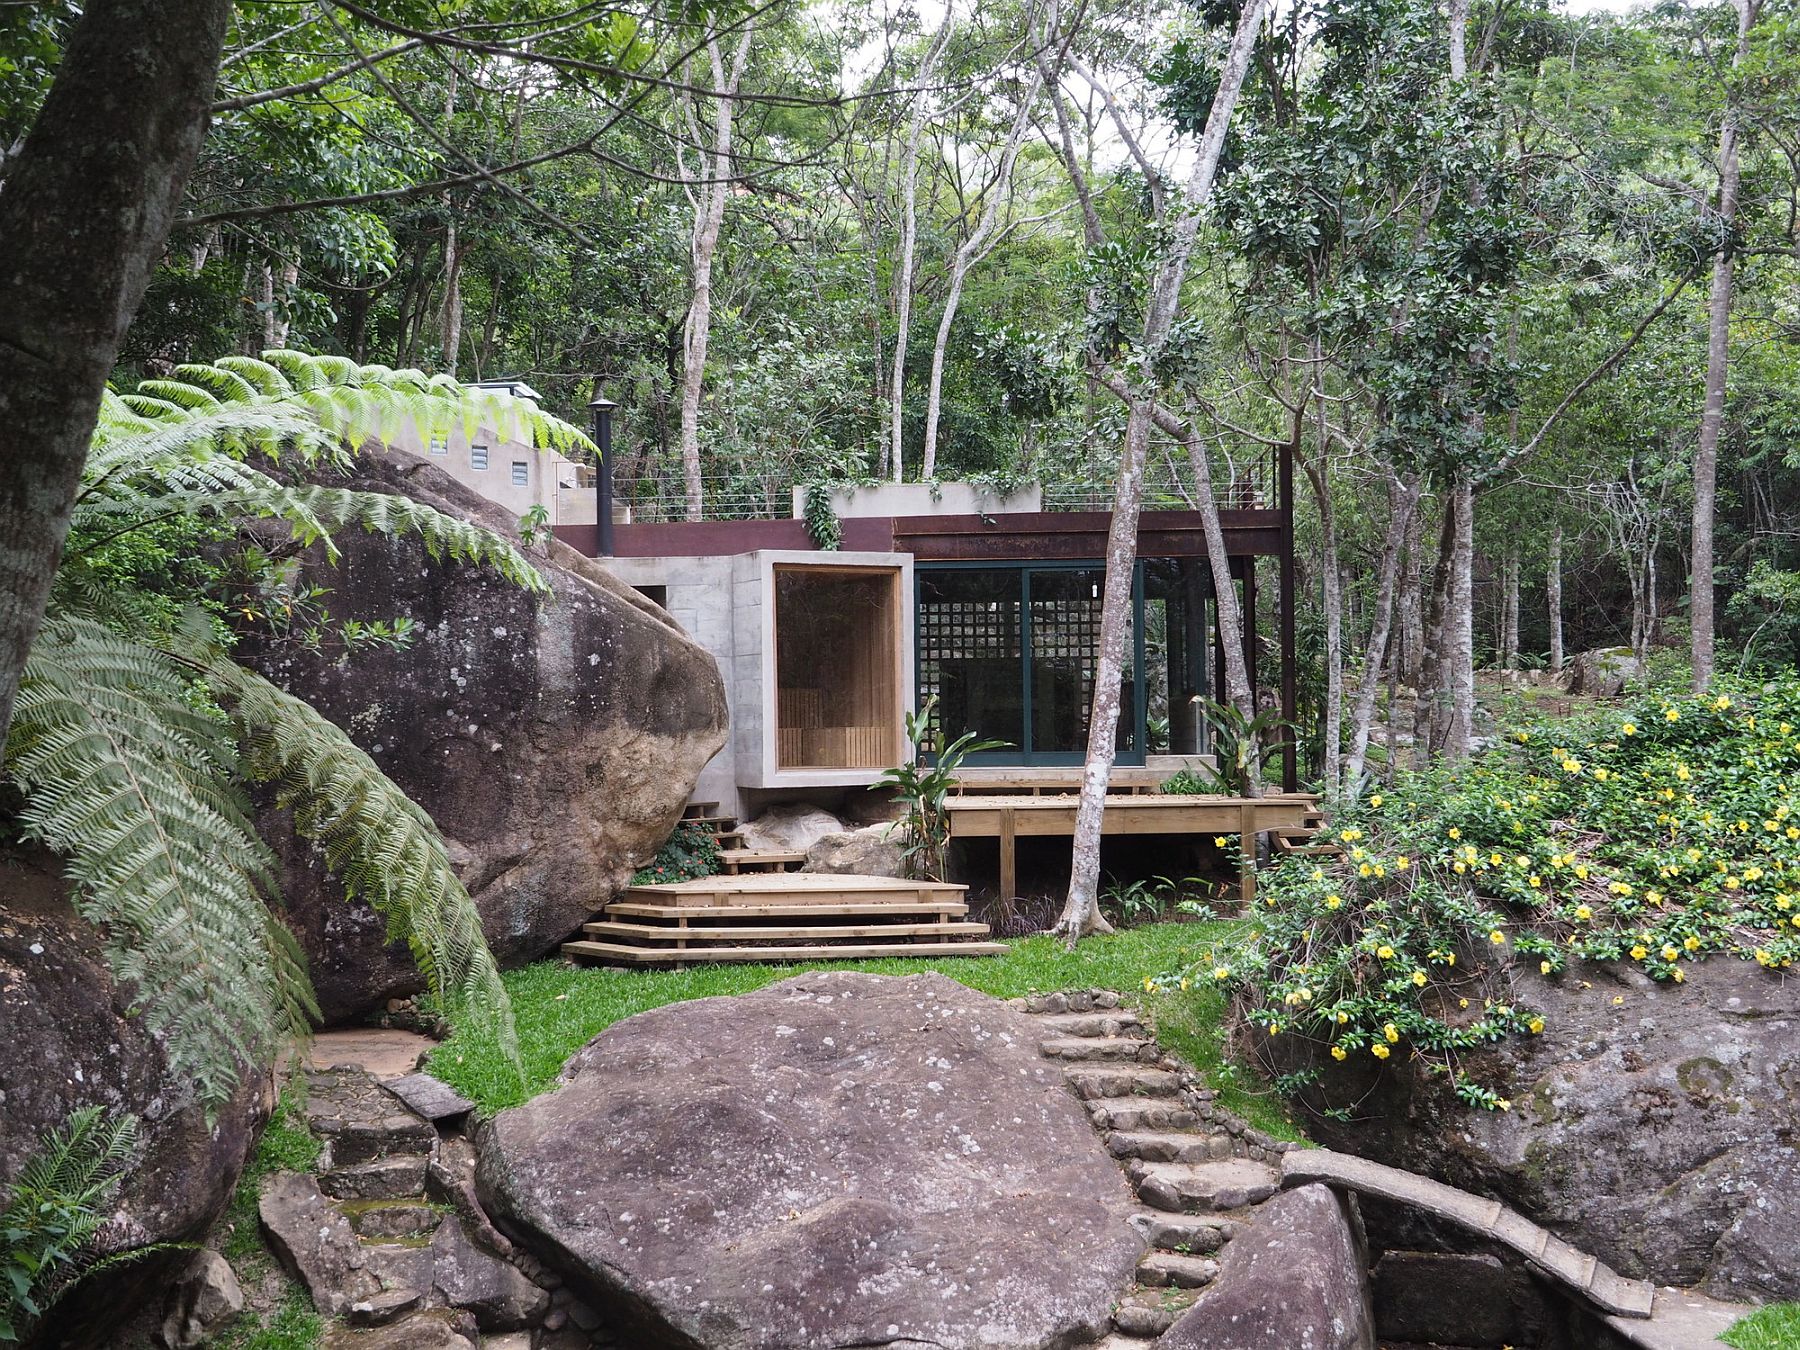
<point>735,858</point>
<point>760,910</point>
<point>1308,839</point>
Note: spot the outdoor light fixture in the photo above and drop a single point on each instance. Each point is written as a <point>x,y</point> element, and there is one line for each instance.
<point>601,408</point>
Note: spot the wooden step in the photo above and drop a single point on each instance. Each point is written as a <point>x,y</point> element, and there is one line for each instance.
<point>793,888</point>
<point>699,809</point>
<point>724,823</point>
<point>799,933</point>
<point>609,951</point>
<point>631,909</point>
<point>736,860</point>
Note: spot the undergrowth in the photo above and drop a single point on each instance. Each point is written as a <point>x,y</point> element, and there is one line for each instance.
<point>1776,1327</point>
<point>1660,832</point>
<point>690,852</point>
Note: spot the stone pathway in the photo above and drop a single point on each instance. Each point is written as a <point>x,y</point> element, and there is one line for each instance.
<point>1200,1173</point>
<point>388,1236</point>
<point>1198,1170</point>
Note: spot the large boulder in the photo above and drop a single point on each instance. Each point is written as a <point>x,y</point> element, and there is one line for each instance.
<point>1653,1125</point>
<point>554,740</point>
<point>71,1041</point>
<point>1603,672</point>
<point>789,828</point>
<point>872,851</point>
<point>837,1159</point>
<point>1295,1279</point>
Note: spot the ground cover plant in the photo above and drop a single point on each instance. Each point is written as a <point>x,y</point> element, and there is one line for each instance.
<point>1661,831</point>
<point>1776,1327</point>
<point>560,1007</point>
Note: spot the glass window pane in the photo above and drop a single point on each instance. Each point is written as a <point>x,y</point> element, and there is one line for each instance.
<point>969,653</point>
<point>836,669</point>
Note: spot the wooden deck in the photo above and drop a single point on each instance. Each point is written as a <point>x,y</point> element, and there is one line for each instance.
<point>1010,818</point>
<point>994,780</point>
<point>783,916</point>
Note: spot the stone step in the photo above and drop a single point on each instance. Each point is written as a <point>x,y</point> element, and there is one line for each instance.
<point>1140,1113</point>
<point>1095,1081</point>
<point>1113,1022</point>
<point>1172,1146</point>
<point>1086,1000</point>
<point>401,1177</point>
<point>1175,1271</point>
<point>1184,1233</point>
<point>380,1309</point>
<point>1103,1049</point>
<point>1202,1188</point>
<point>1118,1340</point>
<point>391,1218</point>
<point>1150,1312</point>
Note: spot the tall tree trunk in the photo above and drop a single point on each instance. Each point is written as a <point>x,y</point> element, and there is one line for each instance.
<point>1553,598</point>
<point>1718,341</point>
<point>1433,690</point>
<point>1411,664</point>
<point>710,194</point>
<point>973,250</point>
<point>1509,614</point>
<point>1403,505</point>
<point>451,336</point>
<point>271,313</point>
<point>1081,912</point>
<point>903,264</point>
<point>1332,588</point>
<point>1459,626</point>
<point>89,203</point>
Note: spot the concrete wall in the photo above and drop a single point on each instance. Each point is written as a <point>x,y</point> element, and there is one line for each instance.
<point>545,471</point>
<point>924,499</point>
<point>726,604</point>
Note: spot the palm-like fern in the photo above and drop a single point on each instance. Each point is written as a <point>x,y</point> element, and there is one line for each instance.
<point>130,738</point>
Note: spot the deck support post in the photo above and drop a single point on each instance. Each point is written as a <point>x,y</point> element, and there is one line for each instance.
<point>1247,853</point>
<point>1009,860</point>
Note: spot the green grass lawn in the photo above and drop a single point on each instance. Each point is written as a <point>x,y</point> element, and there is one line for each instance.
<point>559,1007</point>
<point>1776,1327</point>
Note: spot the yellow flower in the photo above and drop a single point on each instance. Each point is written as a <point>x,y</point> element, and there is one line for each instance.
<point>1537,1026</point>
<point>1365,870</point>
<point>1630,728</point>
<point>1419,977</point>
<point>1582,871</point>
<point>1402,863</point>
<point>1147,985</point>
<point>1497,938</point>
<point>1375,800</point>
<point>1543,967</point>
<point>1571,766</point>
<point>1218,841</point>
<point>1384,951</point>
<point>1670,951</point>
<point>1358,853</point>
<point>1455,832</point>
<point>1459,866</point>
<point>1494,860</point>
<point>1184,983</point>
<point>1521,861</point>
<point>1583,913</point>
<point>1449,958</point>
<point>1505,1104</point>
<point>1333,901</point>
<point>1462,1002</point>
<point>1692,943</point>
<point>1721,703</point>
<point>1679,976</point>
<point>1683,772</point>
<point>1731,883</point>
<point>1601,775</point>
<point>1379,1050</point>
<point>1342,1018</point>
<point>1337,1052</point>
<point>1671,714</point>
<point>1221,972</point>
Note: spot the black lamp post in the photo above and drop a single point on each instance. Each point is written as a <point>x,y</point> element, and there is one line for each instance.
<point>602,408</point>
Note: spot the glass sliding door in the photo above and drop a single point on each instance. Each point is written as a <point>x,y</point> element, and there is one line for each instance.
<point>1011,653</point>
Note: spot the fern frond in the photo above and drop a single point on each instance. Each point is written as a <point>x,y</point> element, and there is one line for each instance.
<point>125,778</point>
<point>375,840</point>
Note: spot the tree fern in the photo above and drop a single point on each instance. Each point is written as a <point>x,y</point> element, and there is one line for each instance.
<point>131,734</point>
<point>125,778</point>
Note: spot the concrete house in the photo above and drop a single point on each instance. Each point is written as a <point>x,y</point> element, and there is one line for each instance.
<point>989,603</point>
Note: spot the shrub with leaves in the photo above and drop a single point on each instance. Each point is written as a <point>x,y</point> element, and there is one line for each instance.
<point>135,735</point>
<point>689,853</point>
<point>821,519</point>
<point>1659,832</point>
<point>53,1211</point>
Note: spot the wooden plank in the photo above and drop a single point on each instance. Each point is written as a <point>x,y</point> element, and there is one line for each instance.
<point>629,909</point>
<point>688,933</point>
<point>1009,853</point>
<point>607,951</point>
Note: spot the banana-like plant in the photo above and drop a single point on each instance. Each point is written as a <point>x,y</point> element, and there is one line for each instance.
<point>136,736</point>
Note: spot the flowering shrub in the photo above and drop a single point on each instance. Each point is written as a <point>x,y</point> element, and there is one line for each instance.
<point>1659,832</point>
<point>688,854</point>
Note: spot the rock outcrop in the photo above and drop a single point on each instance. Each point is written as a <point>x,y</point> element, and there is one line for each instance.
<point>837,1159</point>
<point>1603,672</point>
<point>554,740</point>
<point>1295,1279</point>
<point>71,1042</point>
<point>1654,1125</point>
